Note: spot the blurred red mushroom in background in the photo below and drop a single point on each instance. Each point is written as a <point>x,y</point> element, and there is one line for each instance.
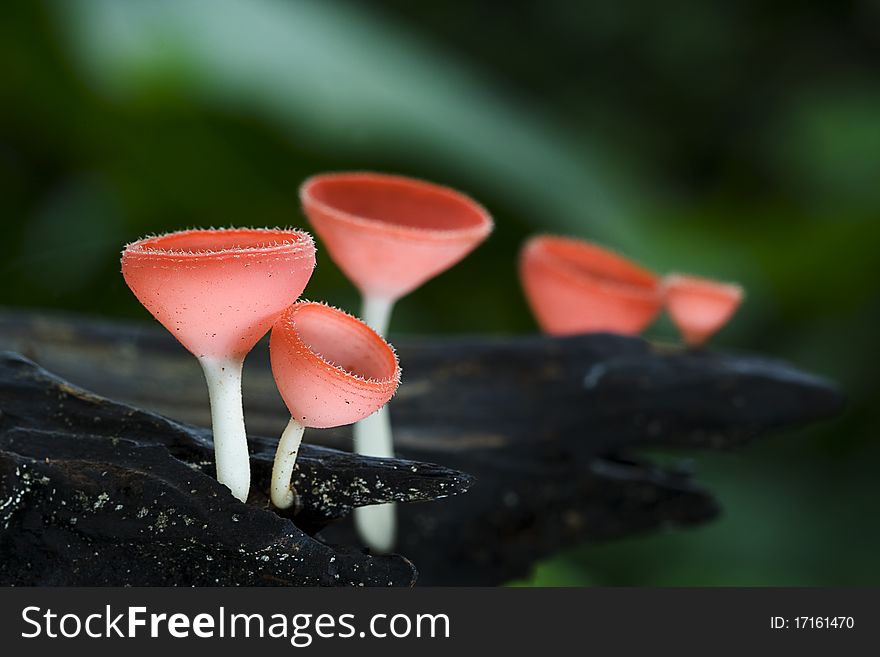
<point>699,307</point>
<point>574,286</point>
<point>331,369</point>
<point>389,234</point>
<point>218,292</point>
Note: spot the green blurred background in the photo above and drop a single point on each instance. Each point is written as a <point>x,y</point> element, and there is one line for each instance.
<point>737,140</point>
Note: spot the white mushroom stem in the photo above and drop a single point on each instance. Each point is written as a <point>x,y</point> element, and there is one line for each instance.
<point>227,418</point>
<point>282,468</point>
<point>376,524</point>
<point>377,313</point>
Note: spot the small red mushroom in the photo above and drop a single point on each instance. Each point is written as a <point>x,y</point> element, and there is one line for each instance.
<point>699,307</point>
<point>331,369</point>
<point>218,292</point>
<point>574,286</point>
<point>389,234</point>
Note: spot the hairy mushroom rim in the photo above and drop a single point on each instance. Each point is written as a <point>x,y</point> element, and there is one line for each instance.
<point>341,341</point>
<point>199,242</point>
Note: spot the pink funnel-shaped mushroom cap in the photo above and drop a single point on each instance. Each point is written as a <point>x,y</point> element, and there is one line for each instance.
<point>390,234</point>
<point>219,291</point>
<point>574,287</point>
<point>330,367</point>
<point>699,306</point>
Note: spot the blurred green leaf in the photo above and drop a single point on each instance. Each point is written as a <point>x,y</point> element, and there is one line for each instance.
<point>340,81</point>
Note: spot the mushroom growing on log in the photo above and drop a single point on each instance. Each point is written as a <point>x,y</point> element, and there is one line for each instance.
<point>331,370</point>
<point>217,292</point>
<point>546,425</point>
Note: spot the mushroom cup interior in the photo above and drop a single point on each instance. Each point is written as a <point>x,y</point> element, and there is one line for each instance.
<point>345,342</point>
<point>398,201</point>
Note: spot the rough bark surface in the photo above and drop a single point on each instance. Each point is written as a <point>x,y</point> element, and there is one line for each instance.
<point>94,492</point>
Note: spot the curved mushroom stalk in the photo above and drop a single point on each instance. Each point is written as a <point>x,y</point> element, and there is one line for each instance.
<point>331,370</point>
<point>281,493</point>
<point>389,234</point>
<point>218,292</point>
<point>574,287</point>
<point>700,307</point>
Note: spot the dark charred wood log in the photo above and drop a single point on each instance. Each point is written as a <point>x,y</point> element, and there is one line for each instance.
<point>93,492</point>
<point>549,427</point>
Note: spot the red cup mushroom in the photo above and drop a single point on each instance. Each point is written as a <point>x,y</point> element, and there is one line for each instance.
<point>574,286</point>
<point>389,234</point>
<point>332,370</point>
<point>699,307</point>
<point>218,292</point>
